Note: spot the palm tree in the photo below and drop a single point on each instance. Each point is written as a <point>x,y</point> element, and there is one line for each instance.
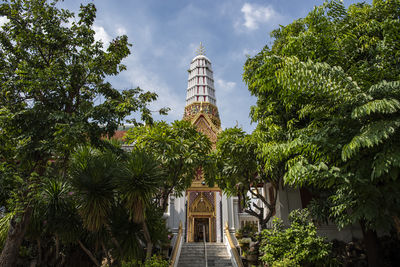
<point>138,184</point>
<point>92,175</point>
<point>104,183</point>
<point>56,226</point>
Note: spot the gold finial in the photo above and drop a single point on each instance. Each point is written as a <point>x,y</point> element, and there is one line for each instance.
<point>201,50</point>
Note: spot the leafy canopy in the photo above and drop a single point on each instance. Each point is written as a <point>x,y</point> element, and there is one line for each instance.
<point>179,148</point>
<point>327,95</point>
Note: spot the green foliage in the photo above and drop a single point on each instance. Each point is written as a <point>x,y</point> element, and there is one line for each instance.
<point>55,212</point>
<point>237,161</point>
<point>178,148</point>
<point>92,173</point>
<point>328,108</point>
<point>155,261</point>
<point>52,74</point>
<point>238,168</point>
<point>4,225</point>
<point>138,183</point>
<point>113,195</point>
<point>298,245</point>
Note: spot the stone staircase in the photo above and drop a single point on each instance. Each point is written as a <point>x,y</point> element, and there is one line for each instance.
<point>192,255</point>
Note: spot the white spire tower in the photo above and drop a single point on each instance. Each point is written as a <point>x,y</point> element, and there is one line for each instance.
<point>200,82</point>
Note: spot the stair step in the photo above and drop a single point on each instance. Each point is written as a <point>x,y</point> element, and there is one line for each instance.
<point>192,255</point>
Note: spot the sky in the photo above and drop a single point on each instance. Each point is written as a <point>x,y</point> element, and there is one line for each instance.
<point>166,33</point>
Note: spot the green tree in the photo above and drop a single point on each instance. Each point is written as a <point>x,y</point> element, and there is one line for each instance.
<point>238,170</point>
<point>138,184</point>
<point>51,74</point>
<point>92,174</point>
<point>298,245</point>
<point>112,190</point>
<point>180,150</point>
<point>333,75</point>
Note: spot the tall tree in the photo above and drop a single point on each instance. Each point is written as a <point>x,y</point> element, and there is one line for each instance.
<point>180,150</point>
<point>239,170</point>
<point>138,184</point>
<point>52,71</point>
<point>335,76</point>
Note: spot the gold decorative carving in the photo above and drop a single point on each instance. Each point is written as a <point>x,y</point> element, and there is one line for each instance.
<point>201,205</point>
<point>201,49</point>
<point>199,174</point>
<point>205,128</point>
<point>204,108</point>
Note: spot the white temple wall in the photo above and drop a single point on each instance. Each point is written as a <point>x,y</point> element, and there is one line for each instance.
<point>218,198</point>
<point>176,213</point>
<point>225,217</point>
<point>288,199</point>
<point>235,201</point>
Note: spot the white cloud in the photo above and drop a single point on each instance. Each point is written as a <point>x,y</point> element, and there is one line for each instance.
<point>138,75</point>
<point>121,31</point>
<point>254,15</point>
<point>225,86</point>
<point>101,35</point>
<point>3,20</point>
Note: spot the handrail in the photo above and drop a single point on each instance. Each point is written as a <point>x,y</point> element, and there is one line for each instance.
<point>177,245</point>
<point>205,246</point>
<point>233,248</point>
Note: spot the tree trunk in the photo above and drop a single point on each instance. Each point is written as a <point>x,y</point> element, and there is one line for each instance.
<point>371,242</point>
<point>164,200</point>
<point>15,236</point>
<point>39,261</point>
<point>106,253</point>
<point>57,241</point>
<point>90,254</point>
<point>113,239</point>
<point>148,240</point>
<point>240,202</point>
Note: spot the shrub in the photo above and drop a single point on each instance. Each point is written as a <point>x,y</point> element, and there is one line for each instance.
<point>155,261</point>
<point>298,245</point>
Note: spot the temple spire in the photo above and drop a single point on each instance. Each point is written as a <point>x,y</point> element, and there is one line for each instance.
<point>200,93</point>
<point>201,49</point>
<point>200,81</point>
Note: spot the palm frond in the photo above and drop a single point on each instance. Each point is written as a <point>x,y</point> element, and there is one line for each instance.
<point>92,174</point>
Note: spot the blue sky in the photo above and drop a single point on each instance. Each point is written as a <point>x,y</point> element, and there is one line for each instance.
<point>166,33</point>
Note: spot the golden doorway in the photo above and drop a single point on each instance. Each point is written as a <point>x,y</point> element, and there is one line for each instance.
<point>201,217</point>
<point>201,229</point>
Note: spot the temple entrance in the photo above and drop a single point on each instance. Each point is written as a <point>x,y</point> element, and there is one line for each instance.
<point>201,216</point>
<point>201,229</point>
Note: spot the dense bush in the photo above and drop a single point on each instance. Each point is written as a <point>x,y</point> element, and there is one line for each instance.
<point>298,245</point>
<point>155,261</point>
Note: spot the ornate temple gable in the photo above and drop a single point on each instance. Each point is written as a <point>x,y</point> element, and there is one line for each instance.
<point>205,127</point>
<point>195,109</point>
<point>202,202</point>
